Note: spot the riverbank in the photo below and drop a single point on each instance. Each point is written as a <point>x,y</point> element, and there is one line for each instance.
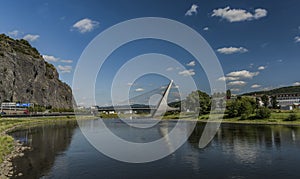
<point>9,148</point>
<point>276,118</point>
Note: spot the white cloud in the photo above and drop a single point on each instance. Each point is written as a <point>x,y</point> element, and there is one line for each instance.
<point>237,15</point>
<point>30,37</point>
<point>192,10</point>
<point>66,61</point>
<point>139,89</point>
<point>261,68</point>
<point>205,28</point>
<point>14,33</point>
<point>191,64</point>
<point>65,69</point>
<point>255,86</point>
<point>242,74</point>
<point>235,89</point>
<point>237,83</point>
<point>259,13</point>
<point>50,58</point>
<point>231,50</point>
<point>85,25</point>
<point>228,78</point>
<point>296,84</point>
<point>190,72</point>
<point>297,39</point>
<point>170,69</point>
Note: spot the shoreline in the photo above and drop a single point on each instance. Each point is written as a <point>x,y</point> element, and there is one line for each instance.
<point>6,166</point>
<point>293,123</point>
<point>227,121</point>
<point>257,122</point>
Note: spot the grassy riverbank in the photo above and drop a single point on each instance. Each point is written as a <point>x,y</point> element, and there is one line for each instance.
<point>276,118</point>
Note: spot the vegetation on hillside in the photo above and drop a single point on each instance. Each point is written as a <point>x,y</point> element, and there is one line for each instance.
<point>288,89</point>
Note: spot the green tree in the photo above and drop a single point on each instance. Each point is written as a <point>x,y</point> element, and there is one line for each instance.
<point>257,103</point>
<point>291,117</point>
<point>37,108</point>
<point>243,107</point>
<point>198,101</point>
<point>263,113</point>
<point>274,102</point>
<point>232,108</point>
<point>265,100</point>
<point>228,94</point>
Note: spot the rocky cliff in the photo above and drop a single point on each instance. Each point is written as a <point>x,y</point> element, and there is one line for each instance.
<point>26,77</point>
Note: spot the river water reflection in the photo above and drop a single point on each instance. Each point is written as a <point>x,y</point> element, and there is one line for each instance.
<point>237,151</point>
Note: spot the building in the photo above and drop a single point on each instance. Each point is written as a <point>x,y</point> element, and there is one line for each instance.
<point>288,100</point>
<point>15,108</point>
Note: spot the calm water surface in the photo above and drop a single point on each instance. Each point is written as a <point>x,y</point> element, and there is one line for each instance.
<point>237,151</point>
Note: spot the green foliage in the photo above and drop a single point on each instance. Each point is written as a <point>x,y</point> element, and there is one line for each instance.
<point>265,100</point>
<point>243,106</point>
<point>288,89</point>
<point>24,47</point>
<point>228,94</point>
<point>198,101</point>
<point>232,108</point>
<point>49,70</point>
<point>257,103</point>
<point>291,117</point>
<point>37,108</point>
<point>274,102</point>
<point>263,113</point>
<point>49,65</point>
<point>6,146</point>
<point>24,42</point>
<point>109,116</point>
<point>61,110</point>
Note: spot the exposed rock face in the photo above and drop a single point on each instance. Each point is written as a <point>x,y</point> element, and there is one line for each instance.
<point>26,77</point>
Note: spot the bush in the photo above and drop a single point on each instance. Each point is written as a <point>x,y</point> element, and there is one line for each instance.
<point>291,117</point>
<point>37,108</point>
<point>263,113</point>
<point>243,117</point>
<point>243,106</point>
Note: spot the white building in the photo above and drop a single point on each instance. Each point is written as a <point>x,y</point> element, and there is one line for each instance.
<point>288,99</point>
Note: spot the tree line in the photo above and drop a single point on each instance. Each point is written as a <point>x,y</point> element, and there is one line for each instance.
<point>243,106</point>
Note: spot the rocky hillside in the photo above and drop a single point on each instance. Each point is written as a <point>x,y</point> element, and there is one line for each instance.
<point>26,77</point>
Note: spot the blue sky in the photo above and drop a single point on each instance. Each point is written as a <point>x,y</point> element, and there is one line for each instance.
<point>257,42</point>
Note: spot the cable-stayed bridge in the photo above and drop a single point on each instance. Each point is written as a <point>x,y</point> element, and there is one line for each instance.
<point>155,102</point>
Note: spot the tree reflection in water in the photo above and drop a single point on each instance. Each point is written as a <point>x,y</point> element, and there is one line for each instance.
<point>47,142</point>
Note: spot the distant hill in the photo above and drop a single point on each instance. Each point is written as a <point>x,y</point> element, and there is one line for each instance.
<point>26,77</point>
<point>288,89</point>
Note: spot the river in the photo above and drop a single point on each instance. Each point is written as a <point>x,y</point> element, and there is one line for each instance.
<point>60,150</point>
